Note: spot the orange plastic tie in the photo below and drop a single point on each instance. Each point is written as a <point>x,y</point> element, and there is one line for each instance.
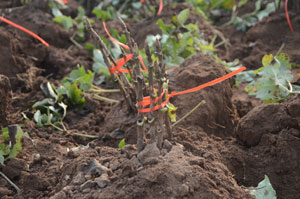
<point>124,46</point>
<point>121,62</point>
<point>24,30</point>
<point>147,100</point>
<point>113,39</point>
<point>287,16</point>
<point>211,83</point>
<point>161,5</point>
<point>142,62</point>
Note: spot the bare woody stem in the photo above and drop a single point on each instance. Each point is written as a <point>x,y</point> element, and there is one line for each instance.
<point>151,115</point>
<point>139,91</point>
<point>160,115</point>
<point>163,80</point>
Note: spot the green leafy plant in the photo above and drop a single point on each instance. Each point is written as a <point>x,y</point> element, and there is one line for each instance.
<point>10,142</point>
<point>104,14</point>
<point>248,20</point>
<point>215,8</point>
<point>180,41</point>
<point>274,81</point>
<point>77,24</point>
<point>51,110</point>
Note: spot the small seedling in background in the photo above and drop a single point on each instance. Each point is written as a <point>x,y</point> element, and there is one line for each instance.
<point>180,41</point>
<point>122,143</point>
<point>248,20</point>
<point>104,14</point>
<point>51,110</point>
<point>274,81</point>
<point>77,24</point>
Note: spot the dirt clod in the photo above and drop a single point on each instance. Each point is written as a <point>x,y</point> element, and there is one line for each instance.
<point>269,118</point>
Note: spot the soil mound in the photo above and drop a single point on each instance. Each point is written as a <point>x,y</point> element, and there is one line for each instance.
<point>217,115</point>
<point>272,131</point>
<point>175,174</point>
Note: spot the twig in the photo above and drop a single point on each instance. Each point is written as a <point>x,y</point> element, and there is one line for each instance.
<point>75,42</point>
<point>10,182</point>
<point>189,113</point>
<point>87,136</point>
<point>280,49</point>
<point>56,127</point>
<point>123,6</point>
<point>105,99</point>
<point>96,89</point>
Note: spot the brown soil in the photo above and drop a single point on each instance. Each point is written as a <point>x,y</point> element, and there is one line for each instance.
<point>251,46</point>
<point>230,142</point>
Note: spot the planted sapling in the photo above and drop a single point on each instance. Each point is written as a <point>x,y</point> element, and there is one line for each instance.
<point>156,118</point>
<point>134,91</point>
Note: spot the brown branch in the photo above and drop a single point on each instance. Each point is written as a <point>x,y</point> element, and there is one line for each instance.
<point>139,91</point>
<point>151,117</point>
<point>163,80</point>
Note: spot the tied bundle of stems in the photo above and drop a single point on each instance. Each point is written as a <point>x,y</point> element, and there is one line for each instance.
<point>157,123</point>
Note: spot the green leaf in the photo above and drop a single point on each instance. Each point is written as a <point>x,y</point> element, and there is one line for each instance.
<point>62,90</point>
<point>171,112</point>
<point>89,46</point>
<point>17,148</point>
<point>1,158</point>
<point>80,76</point>
<point>56,12</point>
<point>267,60</point>
<point>38,118</point>
<point>104,14</point>
<point>48,90</point>
<point>10,142</point>
<point>75,95</point>
<point>166,29</point>
<point>183,16</point>
<point>273,82</point>
<point>43,103</point>
<point>65,21</point>
<point>4,134</point>
<point>267,11</point>
<point>64,107</point>
<point>122,144</point>
<point>264,190</point>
